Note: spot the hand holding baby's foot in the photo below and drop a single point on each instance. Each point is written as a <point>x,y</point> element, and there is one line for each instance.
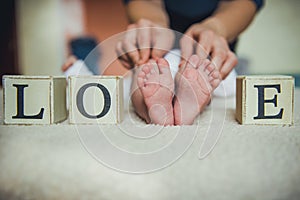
<point>194,85</point>
<point>157,86</point>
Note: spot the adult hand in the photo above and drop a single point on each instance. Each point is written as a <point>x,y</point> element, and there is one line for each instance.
<point>204,41</point>
<point>143,41</point>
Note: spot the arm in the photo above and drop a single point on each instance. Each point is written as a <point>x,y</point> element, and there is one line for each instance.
<point>231,18</point>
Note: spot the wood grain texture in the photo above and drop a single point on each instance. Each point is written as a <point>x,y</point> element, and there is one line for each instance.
<point>264,100</point>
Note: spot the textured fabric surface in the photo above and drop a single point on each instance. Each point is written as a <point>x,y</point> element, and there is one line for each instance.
<point>248,162</point>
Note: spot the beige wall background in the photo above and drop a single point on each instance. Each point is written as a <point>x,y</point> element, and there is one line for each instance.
<point>40,37</point>
<point>271,43</point>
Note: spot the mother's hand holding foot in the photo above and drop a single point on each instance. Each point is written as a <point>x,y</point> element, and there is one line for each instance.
<point>212,26</point>
<point>142,41</point>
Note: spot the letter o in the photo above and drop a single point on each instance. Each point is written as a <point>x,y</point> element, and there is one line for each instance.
<point>107,100</point>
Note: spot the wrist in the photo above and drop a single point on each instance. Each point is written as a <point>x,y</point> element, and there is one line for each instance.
<point>214,24</point>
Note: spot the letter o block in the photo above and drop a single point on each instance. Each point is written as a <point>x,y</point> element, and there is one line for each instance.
<point>96,99</point>
<point>34,99</point>
<point>265,100</point>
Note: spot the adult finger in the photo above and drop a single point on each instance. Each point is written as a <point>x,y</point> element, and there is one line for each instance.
<point>219,53</point>
<point>126,62</point>
<point>162,41</point>
<point>129,44</point>
<point>127,65</point>
<point>187,48</point>
<point>205,42</point>
<point>144,40</point>
<point>228,65</point>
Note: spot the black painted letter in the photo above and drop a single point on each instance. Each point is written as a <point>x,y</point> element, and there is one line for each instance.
<point>20,105</point>
<point>107,100</point>
<point>262,101</point>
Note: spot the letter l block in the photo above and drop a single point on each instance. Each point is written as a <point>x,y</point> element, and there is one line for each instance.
<point>265,100</point>
<point>34,99</point>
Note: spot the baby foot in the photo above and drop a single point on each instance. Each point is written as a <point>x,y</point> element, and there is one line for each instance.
<point>194,85</point>
<point>157,86</point>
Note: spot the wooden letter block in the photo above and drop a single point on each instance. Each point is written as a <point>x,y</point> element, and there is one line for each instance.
<point>265,99</point>
<point>34,99</point>
<point>96,99</point>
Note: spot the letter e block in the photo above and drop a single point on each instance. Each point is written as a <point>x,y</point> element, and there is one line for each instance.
<point>265,100</point>
<point>34,99</point>
<point>96,99</point>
